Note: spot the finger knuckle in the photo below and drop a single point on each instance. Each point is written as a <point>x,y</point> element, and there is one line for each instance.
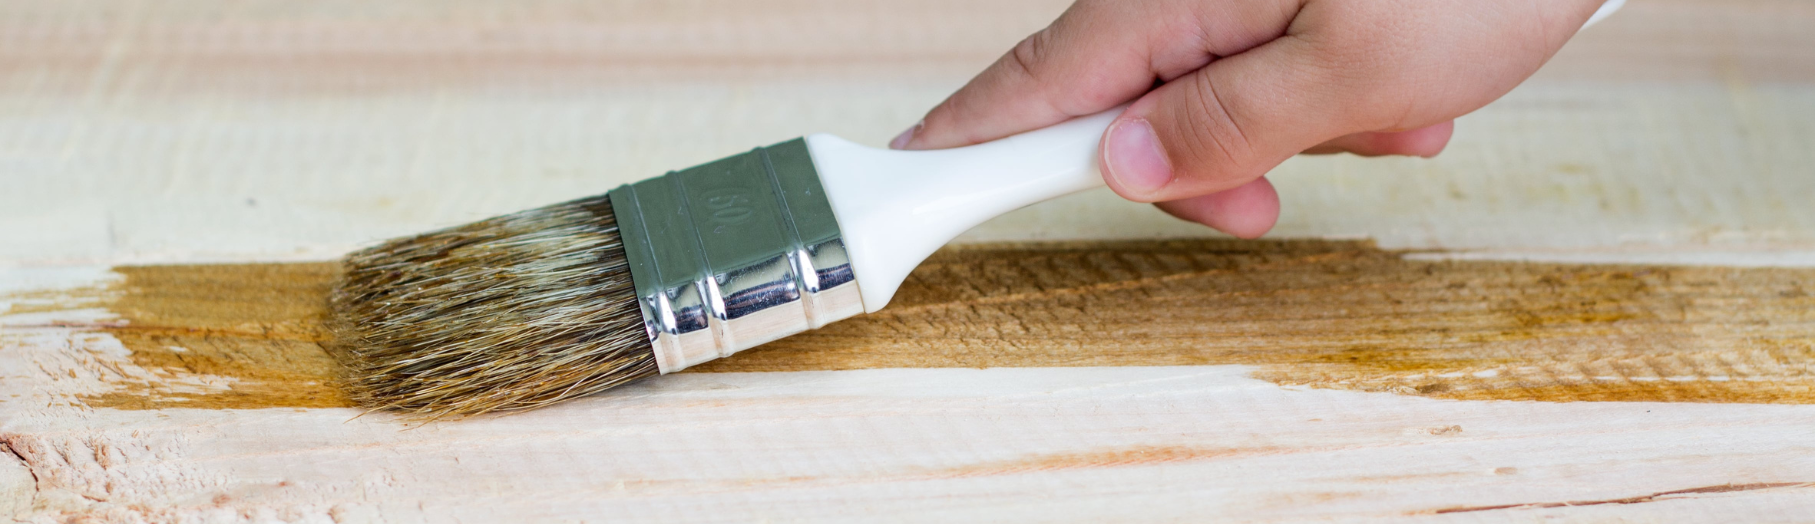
<point>1031,54</point>
<point>1214,129</point>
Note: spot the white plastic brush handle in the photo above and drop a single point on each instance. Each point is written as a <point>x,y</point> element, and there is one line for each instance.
<point>1607,8</point>
<point>895,208</point>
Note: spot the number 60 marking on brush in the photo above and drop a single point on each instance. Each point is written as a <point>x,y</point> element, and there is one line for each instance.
<point>728,205</point>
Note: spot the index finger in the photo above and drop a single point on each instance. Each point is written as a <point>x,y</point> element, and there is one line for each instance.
<point>1097,55</point>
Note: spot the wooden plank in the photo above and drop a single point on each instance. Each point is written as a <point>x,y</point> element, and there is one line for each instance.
<point>1334,314</point>
<point>1075,444</point>
<point>1302,380</point>
<point>273,132</point>
<point>194,347</point>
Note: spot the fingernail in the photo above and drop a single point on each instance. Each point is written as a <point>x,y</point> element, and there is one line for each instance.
<point>1135,157</point>
<point>901,141</point>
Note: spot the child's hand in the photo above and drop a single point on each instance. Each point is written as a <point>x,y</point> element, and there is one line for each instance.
<point>1249,83</point>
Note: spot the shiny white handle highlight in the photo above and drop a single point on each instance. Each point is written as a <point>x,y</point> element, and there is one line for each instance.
<point>1606,10</point>
<point>896,207</point>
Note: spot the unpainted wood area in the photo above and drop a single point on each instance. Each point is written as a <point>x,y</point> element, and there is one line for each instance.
<point>272,130</point>
<point>1331,314</point>
<point>1641,499</point>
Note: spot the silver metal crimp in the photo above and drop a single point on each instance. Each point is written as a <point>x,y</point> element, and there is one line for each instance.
<point>734,253</point>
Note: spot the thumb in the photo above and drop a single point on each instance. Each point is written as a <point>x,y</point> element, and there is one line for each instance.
<point>1226,124</point>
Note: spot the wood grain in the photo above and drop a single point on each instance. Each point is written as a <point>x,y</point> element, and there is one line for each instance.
<point>1342,315</point>
<point>1656,171</point>
<point>257,328</point>
<point>917,445</point>
<point>267,130</point>
<point>1331,314</point>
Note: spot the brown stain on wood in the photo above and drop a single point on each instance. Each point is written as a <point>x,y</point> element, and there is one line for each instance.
<point>1345,315</point>
<point>261,326</point>
<point>1095,459</point>
<point>1328,314</point>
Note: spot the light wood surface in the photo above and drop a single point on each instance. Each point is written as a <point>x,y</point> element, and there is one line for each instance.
<point>1393,357</point>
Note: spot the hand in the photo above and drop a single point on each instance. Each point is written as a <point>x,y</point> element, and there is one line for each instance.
<point>1225,90</point>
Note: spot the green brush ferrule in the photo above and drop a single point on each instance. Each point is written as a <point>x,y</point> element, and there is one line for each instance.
<point>734,253</point>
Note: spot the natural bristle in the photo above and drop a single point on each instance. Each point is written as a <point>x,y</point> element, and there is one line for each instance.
<point>511,313</point>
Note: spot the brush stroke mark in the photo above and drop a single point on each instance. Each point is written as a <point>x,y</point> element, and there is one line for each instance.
<point>1107,458</point>
<point>1341,315</point>
<point>1328,314</point>
<point>1654,497</point>
<point>224,336</point>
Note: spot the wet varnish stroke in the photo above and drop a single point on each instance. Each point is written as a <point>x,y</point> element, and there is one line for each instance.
<point>1331,314</point>
<point>260,326</point>
<point>1341,315</point>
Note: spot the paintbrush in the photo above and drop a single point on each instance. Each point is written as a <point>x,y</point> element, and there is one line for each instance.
<point>536,307</point>
<point>532,308</point>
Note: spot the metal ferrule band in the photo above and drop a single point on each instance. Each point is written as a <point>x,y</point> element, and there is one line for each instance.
<point>734,253</point>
